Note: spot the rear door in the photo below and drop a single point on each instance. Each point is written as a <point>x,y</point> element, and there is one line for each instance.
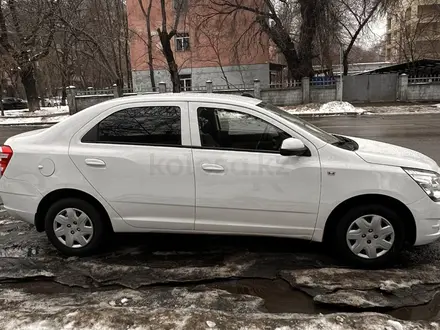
<point>138,157</point>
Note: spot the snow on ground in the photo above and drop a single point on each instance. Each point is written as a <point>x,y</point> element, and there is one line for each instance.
<point>32,120</point>
<point>45,111</point>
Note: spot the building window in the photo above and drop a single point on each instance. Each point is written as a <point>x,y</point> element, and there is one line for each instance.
<point>182,42</point>
<point>180,5</point>
<point>408,14</point>
<point>185,82</point>
<point>428,11</point>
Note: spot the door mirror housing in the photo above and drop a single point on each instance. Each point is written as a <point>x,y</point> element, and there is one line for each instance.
<point>294,147</point>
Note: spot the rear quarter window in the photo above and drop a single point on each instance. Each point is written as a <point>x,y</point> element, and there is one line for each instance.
<point>158,125</point>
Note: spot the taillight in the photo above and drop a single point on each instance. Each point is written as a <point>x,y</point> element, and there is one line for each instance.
<point>5,157</point>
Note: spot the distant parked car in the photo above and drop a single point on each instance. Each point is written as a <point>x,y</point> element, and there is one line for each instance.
<point>51,101</point>
<point>11,103</point>
<point>218,164</point>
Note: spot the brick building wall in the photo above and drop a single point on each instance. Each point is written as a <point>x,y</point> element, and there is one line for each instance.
<point>205,48</point>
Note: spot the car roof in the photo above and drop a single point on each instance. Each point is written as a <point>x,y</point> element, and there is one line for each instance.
<point>62,132</point>
<point>189,97</point>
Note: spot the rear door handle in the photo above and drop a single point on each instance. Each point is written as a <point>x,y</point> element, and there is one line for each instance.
<point>213,168</point>
<point>94,162</point>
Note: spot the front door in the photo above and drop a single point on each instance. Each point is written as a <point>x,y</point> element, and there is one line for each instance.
<point>243,184</point>
<point>139,159</point>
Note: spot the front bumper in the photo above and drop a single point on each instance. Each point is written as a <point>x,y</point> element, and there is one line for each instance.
<point>20,199</point>
<point>427,216</point>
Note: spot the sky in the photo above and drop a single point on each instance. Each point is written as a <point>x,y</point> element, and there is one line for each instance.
<point>375,34</point>
<point>379,27</point>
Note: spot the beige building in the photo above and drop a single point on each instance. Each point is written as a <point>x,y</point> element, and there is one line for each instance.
<point>413,31</point>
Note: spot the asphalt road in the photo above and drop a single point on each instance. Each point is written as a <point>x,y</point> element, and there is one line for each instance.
<point>418,132</point>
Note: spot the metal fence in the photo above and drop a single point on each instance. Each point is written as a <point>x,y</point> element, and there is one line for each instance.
<point>241,87</point>
<point>423,80</point>
<point>323,82</point>
<point>287,84</point>
<point>94,92</point>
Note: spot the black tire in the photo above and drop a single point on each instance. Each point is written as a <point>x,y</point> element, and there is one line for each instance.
<point>97,219</point>
<point>340,231</point>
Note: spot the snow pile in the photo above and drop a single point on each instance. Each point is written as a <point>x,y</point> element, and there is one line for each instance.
<point>338,107</point>
<point>330,108</point>
<point>389,285</point>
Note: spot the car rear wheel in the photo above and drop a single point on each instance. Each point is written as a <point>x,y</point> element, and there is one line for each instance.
<point>370,236</point>
<point>75,227</point>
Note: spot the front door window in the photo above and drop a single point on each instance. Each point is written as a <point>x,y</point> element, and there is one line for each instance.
<point>226,129</point>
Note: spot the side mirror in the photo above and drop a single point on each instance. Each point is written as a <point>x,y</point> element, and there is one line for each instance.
<point>294,147</point>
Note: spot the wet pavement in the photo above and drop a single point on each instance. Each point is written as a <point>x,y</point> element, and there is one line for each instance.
<point>159,281</point>
<point>167,281</point>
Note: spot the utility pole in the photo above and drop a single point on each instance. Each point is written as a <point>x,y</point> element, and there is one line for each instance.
<point>341,58</point>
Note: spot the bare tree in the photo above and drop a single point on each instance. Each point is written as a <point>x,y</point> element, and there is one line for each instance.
<point>355,15</point>
<point>415,35</point>
<point>277,19</point>
<point>27,29</point>
<point>213,42</point>
<point>166,36</point>
<point>147,16</point>
<point>100,28</point>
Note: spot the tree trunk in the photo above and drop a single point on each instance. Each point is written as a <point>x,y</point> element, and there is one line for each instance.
<point>27,75</point>
<point>150,46</point>
<point>292,66</point>
<point>175,78</point>
<point>278,34</point>
<point>307,36</point>
<point>345,63</point>
<point>63,90</point>
<point>2,109</point>
<point>173,69</point>
<point>120,85</point>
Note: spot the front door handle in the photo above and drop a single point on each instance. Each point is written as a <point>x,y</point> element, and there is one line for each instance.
<point>213,168</point>
<point>94,162</point>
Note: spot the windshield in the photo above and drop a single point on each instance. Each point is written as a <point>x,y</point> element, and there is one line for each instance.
<point>319,133</point>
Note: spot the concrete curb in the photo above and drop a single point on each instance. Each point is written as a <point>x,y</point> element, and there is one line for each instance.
<point>366,113</point>
<point>350,114</point>
<point>29,124</point>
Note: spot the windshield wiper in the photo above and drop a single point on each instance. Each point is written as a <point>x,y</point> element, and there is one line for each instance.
<point>345,143</point>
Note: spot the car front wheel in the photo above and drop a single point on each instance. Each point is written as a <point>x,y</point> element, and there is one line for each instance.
<point>370,236</point>
<point>75,227</point>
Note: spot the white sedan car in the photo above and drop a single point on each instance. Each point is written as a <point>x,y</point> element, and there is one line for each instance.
<point>215,164</point>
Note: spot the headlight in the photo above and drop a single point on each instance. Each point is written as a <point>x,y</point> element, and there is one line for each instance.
<point>429,181</point>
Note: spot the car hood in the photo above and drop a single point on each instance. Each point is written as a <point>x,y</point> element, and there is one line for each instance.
<point>388,154</point>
